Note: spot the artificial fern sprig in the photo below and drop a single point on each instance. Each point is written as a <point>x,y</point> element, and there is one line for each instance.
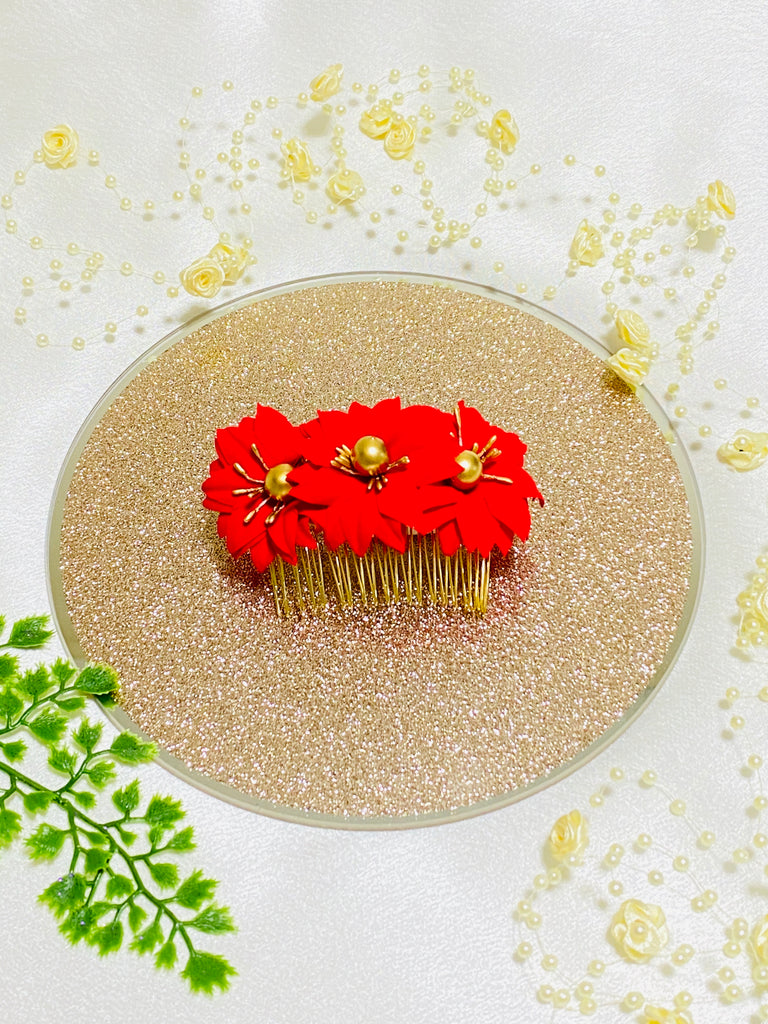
<point>116,871</point>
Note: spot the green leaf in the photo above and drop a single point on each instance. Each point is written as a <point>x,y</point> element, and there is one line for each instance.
<point>97,679</point>
<point>205,971</point>
<point>146,941</point>
<point>14,751</point>
<point>62,760</point>
<point>95,860</point>
<point>127,837</point>
<point>10,704</point>
<point>45,842</point>
<point>37,800</point>
<point>213,920</point>
<point>10,826</point>
<point>65,894</point>
<point>87,735</point>
<point>165,875</point>
<point>101,773</point>
<point>163,811</point>
<point>34,683</point>
<point>119,886</point>
<point>2,623</point>
<point>127,799</point>
<point>195,890</point>
<point>127,747</point>
<point>136,915</point>
<point>79,922</point>
<point>62,671</point>
<point>108,939</point>
<point>29,632</point>
<point>70,704</point>
<point>155,835</point>
<point>95,838</point>
<point>49,726</point>
<point>9,666</point>
<point>182,841</point>
<point>166,957</point>
<point>85,798</point>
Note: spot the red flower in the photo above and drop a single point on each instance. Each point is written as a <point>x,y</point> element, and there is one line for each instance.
<point>249,487</point>
<point>485,502</point>
<point>365,466</point>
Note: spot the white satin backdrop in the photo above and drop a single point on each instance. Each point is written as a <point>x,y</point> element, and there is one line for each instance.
<point>408,926</point>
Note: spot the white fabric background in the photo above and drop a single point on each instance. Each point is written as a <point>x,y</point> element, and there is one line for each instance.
<point>416,926</point>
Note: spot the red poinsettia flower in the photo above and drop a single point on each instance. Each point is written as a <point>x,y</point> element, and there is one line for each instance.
<point>249,487</point>
<point>364,468</point>
<point>484,502</point>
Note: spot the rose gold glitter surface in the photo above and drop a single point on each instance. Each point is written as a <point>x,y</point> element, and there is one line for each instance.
<point>399,711</point>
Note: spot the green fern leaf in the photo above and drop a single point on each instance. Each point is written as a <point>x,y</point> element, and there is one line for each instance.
<point>28,633</point>
<point>45,842</point>
<point>9,667</point>
<point>163,812</point>
<point>62,760</point>
<point>195,890</point>
<point>14,751</point>
<point>97,679</point>
<point>37,800</point>
<point>101,773</point>
<point>84,798</point>
<point>131,750</point>
<point>127,799</point>
<point>34,684</point>
<point>10,826</point>
<point>213,920</point>
<point>206,971</point>
<point>165,875</point>
<point>87,735</point>
<point>49,726</point>
<point>119,886</point>
<point>166,956</point>
<point>10,704</point>
<point>108,939</point>
<point>182,841</point>
<point>65,894</point>
<point>146,941</point>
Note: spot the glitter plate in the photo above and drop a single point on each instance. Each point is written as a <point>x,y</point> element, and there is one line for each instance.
<point>400,716</point>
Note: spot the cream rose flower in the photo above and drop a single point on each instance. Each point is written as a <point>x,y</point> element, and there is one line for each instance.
<point>721,200</point>
<point>587,244</point>
<point>345,186</point>
<point>233,259</point>
<point>376,122</point>
<point>296,160</point>
<point>747,449</point>
<point>658,1015</point>
<point>60,146</point>
<point>638,930</point>
<point>327,83</point>
<point>503,131</point>
<point>399,140</point>
<point>568,836</point>
<point>630,366</point>
<point>203,277</point>
<point>758,943</point>
<point>633,331</point>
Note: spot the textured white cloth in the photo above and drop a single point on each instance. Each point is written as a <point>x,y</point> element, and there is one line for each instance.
<point>407,926</point>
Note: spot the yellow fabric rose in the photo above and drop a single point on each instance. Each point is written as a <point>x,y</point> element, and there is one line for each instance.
<point>630,366</point>
<point>203,277</point>
<point>633,331</point>
<point>658,1015</point>
<point>232,259</point>
<point>638,930</point>
<point>327,83</point>
<point>587,244</point>
<point>503,131</point>
<point>376,122</point>
<point>60,146</point>
<point>721,200</point>
<point>296,160</point>
<point>747,449</point>
<point>399,140</point>
<point>568,836</point>
<point>345,186</point>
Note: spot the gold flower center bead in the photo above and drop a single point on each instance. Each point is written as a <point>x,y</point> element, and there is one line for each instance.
<point>370,455</point>
<point>368,458</point>
<point>276,482</point>
<point>471,470</point>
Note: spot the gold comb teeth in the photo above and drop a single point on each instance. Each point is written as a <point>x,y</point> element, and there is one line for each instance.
<point>374,505</point>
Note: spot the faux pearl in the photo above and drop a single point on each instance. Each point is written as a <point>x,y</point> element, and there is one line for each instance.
<point>110,327</point>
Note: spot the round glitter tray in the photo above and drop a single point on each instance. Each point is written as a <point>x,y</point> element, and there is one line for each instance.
<point>399,716</point>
